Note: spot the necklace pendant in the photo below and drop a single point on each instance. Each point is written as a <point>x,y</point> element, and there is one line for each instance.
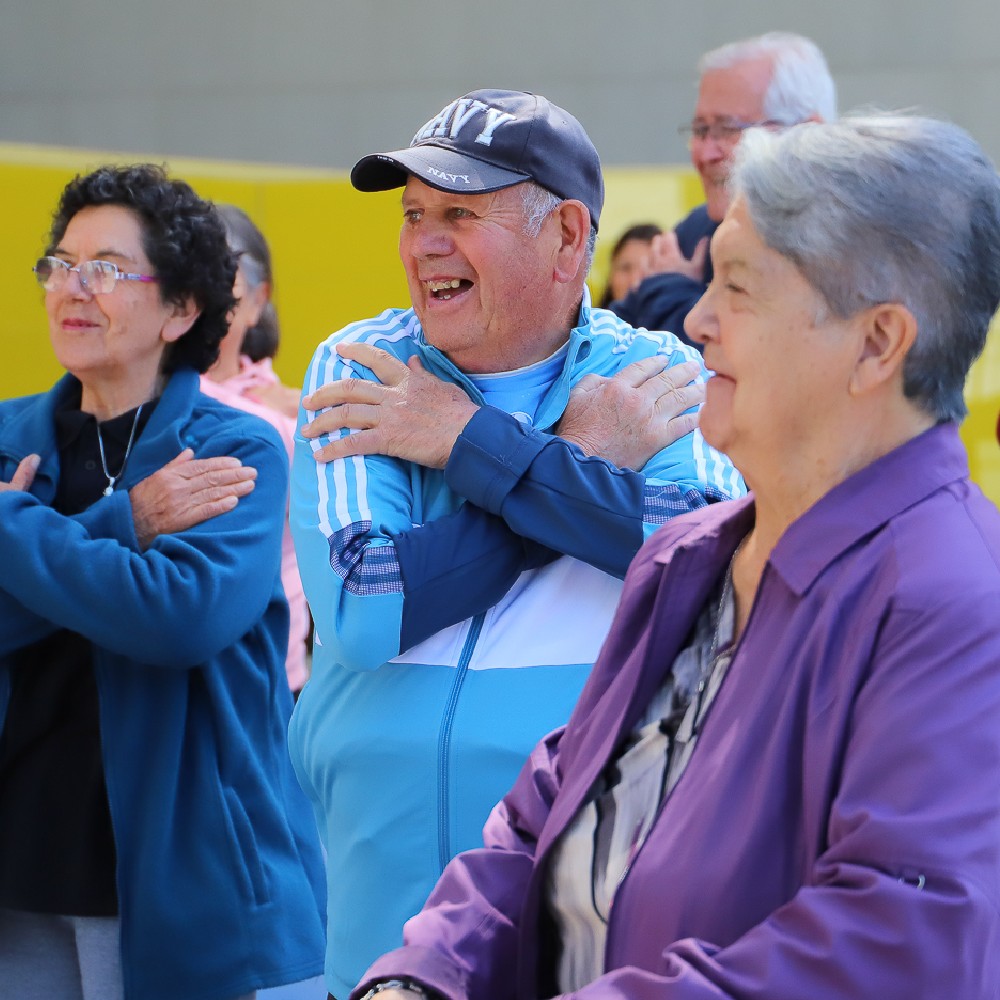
<point>110,488</point>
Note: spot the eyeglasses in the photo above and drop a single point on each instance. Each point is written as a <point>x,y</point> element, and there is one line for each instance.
<point>98,277</point>
<point>724,133</point>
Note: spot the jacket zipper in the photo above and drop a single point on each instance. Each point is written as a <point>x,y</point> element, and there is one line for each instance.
<point>444,739</point>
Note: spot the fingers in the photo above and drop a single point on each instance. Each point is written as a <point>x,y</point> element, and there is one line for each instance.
<point>665,253</point>
<point>185,456</point>
<point>658,367</point>
<point>226,494</point>
<point>343,447</point>
<point>387,369</point>
<point>677,400</point>
<point>678,375</point>
<point>24,475</point>
<point>640,372</point>
<point>344,390</point>
<point>587,384</point>
<point>700,254</point>
<point>677,427</point>
<point>226,477</point>
<point>346,415</point>
<point>219,471</point>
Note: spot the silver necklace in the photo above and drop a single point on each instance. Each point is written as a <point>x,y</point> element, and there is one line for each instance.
<point>110,488</point>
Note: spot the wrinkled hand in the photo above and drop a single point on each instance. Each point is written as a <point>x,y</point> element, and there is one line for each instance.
<point>635,413</point>
<point>187,491</point>
<point>666,257</point>
<point>409,413</point>
<point>24,475</point>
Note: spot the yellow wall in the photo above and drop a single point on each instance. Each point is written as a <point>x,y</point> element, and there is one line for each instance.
<point>979,432</point>
<point>335,260</point>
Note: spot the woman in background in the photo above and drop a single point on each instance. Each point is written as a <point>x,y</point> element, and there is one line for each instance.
<point>629,262</point>
<point>248,383</point>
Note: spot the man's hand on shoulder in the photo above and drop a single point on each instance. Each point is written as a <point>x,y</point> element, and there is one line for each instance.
<point>185,492</point>
<point>636,413</point>
<point>409,413</point>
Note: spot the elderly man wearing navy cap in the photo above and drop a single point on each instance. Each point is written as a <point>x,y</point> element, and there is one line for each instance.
<point>473,476</point>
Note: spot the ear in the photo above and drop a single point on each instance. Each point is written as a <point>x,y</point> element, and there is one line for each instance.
<point>887,333</point>
<point>180,320</point>
<point>573,219</point>
<point>256,300</point>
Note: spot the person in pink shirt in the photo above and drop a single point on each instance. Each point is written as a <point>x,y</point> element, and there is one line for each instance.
<point>243,378</point>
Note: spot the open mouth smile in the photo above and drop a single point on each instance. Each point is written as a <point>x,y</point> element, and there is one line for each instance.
<point>446,289</point>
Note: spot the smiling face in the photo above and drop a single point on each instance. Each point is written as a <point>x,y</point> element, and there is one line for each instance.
<point>734,95</point>
<point>781,370</point>
<point>483,289</point>
<point>113,343</point>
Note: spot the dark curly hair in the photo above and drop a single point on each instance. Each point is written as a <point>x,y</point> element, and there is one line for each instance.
<point>184,239</point>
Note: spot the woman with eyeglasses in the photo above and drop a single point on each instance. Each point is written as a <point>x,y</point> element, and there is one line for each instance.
<point>153,842</point>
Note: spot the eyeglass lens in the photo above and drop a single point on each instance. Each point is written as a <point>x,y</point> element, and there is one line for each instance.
<point>96,276</point>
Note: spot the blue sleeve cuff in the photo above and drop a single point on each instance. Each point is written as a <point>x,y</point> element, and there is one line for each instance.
<point>490,456</point>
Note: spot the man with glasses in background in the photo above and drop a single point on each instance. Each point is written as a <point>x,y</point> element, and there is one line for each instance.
<point>774,80</point>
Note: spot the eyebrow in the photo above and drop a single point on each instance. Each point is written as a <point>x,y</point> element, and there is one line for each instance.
<point>100,254</point>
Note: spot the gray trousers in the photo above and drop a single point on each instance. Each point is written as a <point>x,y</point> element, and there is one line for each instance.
<point>43,956</point>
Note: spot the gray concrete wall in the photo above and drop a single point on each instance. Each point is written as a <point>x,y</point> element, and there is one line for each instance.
<point>321,82</point>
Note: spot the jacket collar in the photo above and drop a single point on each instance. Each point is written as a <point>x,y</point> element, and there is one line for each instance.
<point>32,429</point>
<point>864,502</point>
<point>554,403</point>
<point>852,510</point>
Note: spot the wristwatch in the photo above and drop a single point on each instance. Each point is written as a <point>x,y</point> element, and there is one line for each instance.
<point>396,984</point>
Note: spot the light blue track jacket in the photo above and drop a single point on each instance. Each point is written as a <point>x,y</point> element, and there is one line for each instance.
<point>458,613</point>
<point>219,874</point>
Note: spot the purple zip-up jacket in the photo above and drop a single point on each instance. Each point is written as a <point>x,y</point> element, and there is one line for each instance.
<point>837,831</point>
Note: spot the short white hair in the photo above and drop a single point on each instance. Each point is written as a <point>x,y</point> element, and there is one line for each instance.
<point>887,208</point>
<point>801,86</point>
<point>539,203</point>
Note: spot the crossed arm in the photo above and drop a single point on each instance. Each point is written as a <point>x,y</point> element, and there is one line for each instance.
<point>531,496</point>
<point>413,415</point>
<point>109,539</point>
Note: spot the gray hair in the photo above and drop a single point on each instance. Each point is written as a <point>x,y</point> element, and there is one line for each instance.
<point>887,208</point>
<point>801,85</point>
<point>539,204</point>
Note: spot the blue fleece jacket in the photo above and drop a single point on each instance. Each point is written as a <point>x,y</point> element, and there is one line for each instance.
<point>219,873</point>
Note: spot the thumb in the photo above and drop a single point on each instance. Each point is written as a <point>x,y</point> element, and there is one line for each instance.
<point>185,456</point>
<point>24,475</point>
<point>415,364</point>
<point>700,254</point>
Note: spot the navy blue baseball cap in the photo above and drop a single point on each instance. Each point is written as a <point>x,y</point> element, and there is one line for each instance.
<point>492,139</point>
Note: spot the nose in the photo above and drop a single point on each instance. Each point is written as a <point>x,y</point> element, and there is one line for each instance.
<point>427,238</point>
<point>73,285</point>
<point>701,322</point>
<point>712,150</point>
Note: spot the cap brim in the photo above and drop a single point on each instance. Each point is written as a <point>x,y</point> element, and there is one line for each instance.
<point>437,167</point>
